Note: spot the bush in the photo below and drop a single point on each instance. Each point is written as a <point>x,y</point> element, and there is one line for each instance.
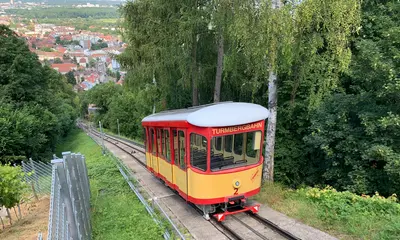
<point>12,185</point>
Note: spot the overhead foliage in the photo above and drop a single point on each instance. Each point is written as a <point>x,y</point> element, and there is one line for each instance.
<point>337,63</point>
<point>37,104</point>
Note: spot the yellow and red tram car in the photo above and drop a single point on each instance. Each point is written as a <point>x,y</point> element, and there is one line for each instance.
<point>211,154</point>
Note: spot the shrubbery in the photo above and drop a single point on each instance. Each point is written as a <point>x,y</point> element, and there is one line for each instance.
<point>37,105</point>
<point>346,203</point>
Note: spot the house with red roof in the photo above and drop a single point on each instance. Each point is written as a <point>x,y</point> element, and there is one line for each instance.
<point>63,68</point>
<point>48,55</point>
<point>83,61</point>
<point>61,49</point>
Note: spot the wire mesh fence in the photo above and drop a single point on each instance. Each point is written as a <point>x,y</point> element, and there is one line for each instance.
<point>38,176</point>
<point>69,214</point>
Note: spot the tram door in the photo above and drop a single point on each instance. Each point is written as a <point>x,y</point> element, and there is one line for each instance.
<point>179,168</point>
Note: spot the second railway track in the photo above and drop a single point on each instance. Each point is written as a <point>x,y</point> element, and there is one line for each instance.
<point>241,226</point>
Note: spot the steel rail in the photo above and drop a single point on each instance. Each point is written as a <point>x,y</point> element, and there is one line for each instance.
<point>274,227</point>
<point>124,150</point>
<point>227,229</point>
<point>250,228</point>
<point>123,141</point>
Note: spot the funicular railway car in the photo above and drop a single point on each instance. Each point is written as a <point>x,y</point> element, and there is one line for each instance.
<point>210,154</point>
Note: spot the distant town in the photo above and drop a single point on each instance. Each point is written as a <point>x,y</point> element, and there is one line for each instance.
<point>87,55</point>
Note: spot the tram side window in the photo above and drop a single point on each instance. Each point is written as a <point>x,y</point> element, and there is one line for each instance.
<point>153,145</point>
<point>228,143</point>
<point>198,158</point>
<point>159,144</point>
<point>176,152</point>
<point>182,150</point>
<point>238,144</point>
<point>218,144</point>
<point>167,151</point>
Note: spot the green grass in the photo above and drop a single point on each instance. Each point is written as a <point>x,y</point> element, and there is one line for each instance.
<point>342,214</point>
<point>116,212</point>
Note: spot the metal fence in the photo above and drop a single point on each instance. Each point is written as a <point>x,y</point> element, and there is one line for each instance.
<point>69,215</point>
<point>38,176</point>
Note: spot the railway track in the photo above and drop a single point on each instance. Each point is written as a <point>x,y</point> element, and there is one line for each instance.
<point>230,227</point>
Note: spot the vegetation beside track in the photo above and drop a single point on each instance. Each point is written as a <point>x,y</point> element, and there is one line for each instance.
<point>343,214</point>
<point>116,212</point>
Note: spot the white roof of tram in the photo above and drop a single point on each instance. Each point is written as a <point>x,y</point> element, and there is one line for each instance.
<point>214,115</point>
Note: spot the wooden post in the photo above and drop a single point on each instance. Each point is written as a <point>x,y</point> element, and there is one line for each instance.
<point>19,211</point>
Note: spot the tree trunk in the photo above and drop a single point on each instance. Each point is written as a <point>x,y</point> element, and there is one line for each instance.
<point>268,172</point>
<point>9,215</point>
<point>220,62</point>
<point>268,169</point>
<point>195,90</point>
<point>15,212</point>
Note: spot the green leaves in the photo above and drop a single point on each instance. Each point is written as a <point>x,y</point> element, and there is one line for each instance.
<point>12,185</point>
<point>35,102</point>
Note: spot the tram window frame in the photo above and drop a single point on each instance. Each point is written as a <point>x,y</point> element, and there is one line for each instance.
<point>167,145</point>
<point>146,140</point>
<point>196,143</point>
<point>153,144</point>
<point>182,162</point>
<point>252,145</point>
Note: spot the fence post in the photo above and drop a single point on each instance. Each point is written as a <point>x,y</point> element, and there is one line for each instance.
<point>34,191</point>
<point>118,128</point>
<point>102,139</point>
<point>35,174</point>
<point>65,195</point>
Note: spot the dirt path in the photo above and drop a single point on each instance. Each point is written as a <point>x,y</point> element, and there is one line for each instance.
<point>34,220</point>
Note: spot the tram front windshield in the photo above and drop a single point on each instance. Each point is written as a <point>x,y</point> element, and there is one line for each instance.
<point>235,150</point>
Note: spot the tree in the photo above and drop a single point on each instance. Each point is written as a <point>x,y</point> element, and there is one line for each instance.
<point>58,60</point>
<point>71,78</point>
<point>33,45</point>
<point>36,103</point>
<point>58,40</point>
<point>355,133</point>
<point>118,75</point>
<point>92,62</point>
<point>46,49</point>
<point>99,45</point>
<point>275,37</point>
